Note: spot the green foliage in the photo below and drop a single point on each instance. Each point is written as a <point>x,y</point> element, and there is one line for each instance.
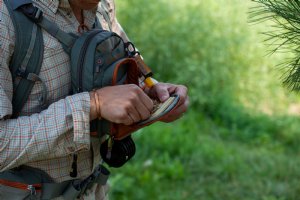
<point>286,15</point>
<point>240,138</point>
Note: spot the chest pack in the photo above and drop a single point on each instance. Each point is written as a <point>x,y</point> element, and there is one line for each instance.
<point>98,58</point>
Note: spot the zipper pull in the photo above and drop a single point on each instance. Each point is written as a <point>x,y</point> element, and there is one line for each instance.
<point>74,171</point>
<point>109,147</point>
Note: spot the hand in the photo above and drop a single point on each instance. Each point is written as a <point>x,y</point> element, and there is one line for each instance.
<point>162,92</point>
<point>122,104</point>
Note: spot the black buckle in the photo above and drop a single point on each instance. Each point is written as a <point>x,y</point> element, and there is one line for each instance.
<point>131,50</point>
<point>32,12</point>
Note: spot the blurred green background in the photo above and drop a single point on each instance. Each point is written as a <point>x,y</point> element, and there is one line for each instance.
<point>240,138</point>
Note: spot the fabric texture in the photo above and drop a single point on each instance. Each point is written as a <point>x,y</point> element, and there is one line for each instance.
<point>46,139</point>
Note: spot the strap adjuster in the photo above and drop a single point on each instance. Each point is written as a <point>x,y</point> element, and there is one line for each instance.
<point>21,73</point>
<point>34,13</point>
<point>28,76</point>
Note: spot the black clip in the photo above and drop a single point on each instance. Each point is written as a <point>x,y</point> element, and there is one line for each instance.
<point>131,50</point>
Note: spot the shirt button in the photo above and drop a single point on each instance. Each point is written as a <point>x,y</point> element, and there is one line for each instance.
<point>71,149</point>
<point>69,15</point>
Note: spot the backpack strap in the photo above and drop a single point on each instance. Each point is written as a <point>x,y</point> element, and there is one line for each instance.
<point>35,15</point>
<point>27,57</point>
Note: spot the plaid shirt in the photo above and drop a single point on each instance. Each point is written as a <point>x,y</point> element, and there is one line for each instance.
<point>46,139</point>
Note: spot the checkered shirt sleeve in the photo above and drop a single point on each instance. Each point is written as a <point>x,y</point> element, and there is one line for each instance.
<point>56,132</point>
<point>47,139</point>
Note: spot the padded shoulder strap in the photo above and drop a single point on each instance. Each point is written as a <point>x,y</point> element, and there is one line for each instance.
<point>16,4</point>
<point>35,15</point>
<point>27,59</point>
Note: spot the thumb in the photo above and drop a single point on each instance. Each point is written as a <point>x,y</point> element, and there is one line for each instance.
<point>162,93</point>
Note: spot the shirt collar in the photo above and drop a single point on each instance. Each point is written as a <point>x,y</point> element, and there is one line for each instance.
<point>64,4</point>
<point>51,4</point>
<point>54,5</point>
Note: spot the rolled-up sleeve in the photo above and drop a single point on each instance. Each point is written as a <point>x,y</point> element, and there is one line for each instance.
<point>60,130</point>
<point>80,111</point>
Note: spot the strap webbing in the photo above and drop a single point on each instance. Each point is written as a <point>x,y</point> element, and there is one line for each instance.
<point>74,188</point>
<point>53,190</point>
<point>36,16</point>
<point>28,54</point>
<point>30,48</point>
<point>65,38</point>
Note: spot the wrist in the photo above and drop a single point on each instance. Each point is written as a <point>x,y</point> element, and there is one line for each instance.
<point>93,110</point>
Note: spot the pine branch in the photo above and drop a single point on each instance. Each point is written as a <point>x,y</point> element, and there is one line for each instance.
<point>286,16</point>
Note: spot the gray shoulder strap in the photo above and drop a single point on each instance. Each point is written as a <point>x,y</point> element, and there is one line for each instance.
<point>35,15</point>
<point>28,54</point>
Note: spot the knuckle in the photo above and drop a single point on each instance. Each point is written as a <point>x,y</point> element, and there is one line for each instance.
<point>133,87</point>
<point>136,89</point>
<point>127,106</point>
<point>183,87</point>
<point>145,116</point>
<point>122,116</point>
<point>127,123</point>
<point>133,97</point>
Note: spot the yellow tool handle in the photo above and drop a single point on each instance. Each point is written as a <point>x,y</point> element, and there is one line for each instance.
<point>150,82</point>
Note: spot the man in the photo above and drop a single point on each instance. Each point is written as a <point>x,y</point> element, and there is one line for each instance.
<point>47,139</point>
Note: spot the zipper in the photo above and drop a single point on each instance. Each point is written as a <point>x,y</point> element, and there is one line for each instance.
<point>83,50</point>
<point>80,64</point>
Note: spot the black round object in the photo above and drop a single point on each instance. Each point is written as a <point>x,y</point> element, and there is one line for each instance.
<point>122,151</point>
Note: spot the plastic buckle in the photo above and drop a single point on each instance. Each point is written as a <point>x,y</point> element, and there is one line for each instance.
<point>32,190</point>
<point>131,50</point>
<point>34,13</point>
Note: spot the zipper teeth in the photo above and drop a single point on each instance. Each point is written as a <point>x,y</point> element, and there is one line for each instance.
<point>85,45</point>
<point>80,64</point>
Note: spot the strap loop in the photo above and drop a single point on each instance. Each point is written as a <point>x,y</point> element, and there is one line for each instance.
<point>34,13</point>
<point>76,187</point>
<point>28,76</point>
<point>34,78</point>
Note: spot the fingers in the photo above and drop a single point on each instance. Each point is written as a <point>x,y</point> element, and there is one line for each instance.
<point>182,91</point>
<point>138,112</point>
<point>128,104</point>
<point>161,92</point>
<point>145,100</point>
<point>142,105</point>
<point>183,103</point>
<point>124,104</point>
<point>177,112</point>
<point>129,120</point>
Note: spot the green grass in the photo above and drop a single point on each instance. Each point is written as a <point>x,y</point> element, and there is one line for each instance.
<point>240,138</point>
<point>207,160</point>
